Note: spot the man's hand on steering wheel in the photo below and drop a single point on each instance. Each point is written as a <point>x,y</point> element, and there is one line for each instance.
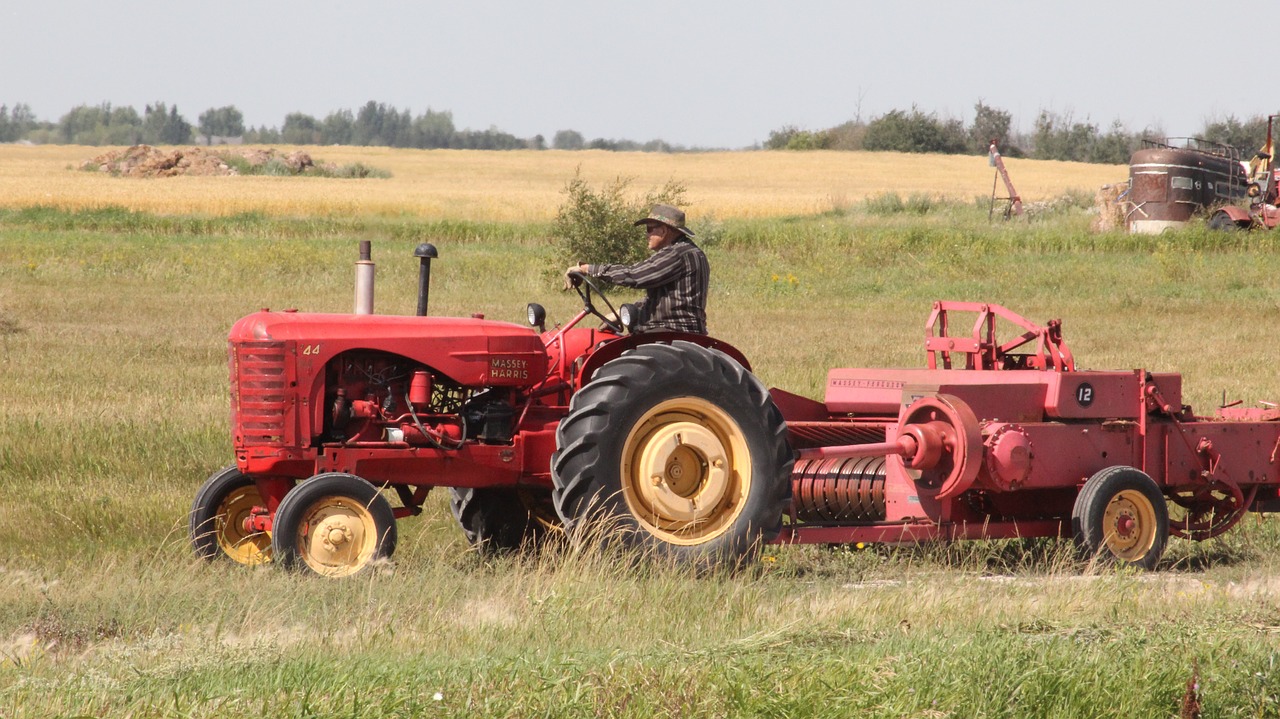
<point>584,284</point>
<point>570,281</point>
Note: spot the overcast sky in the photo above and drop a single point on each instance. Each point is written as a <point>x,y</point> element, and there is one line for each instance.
<point>715,73</point>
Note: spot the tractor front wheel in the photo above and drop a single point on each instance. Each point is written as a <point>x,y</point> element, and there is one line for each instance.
<point>676,449</point>
<point>333,524</point>
<point>503,519</point>
<point>218,514</point>
<point>1120,515</point>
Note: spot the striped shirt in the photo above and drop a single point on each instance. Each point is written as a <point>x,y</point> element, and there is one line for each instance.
<point>675,282</point>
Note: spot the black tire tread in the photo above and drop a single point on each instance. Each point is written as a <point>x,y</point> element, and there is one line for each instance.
<point>596,416</point>
<point>494,519</point>
<point>288,514</point>
<point>204,510</point>
<point>1087,513</point>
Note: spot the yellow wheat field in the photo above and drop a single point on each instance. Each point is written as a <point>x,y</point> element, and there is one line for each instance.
<point>528,185</point>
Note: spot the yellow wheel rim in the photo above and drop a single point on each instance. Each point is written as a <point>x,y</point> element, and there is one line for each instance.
<point>337,536</point>
<point>686,471</point>
<point>1129,525</point>
<point>249,548</point>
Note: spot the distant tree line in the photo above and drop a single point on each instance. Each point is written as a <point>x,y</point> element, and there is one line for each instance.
<point>1055,136</point>
<point>374,124</point>
<point>102,124</point>
<point>377,124</point>
<point>573,140</point>
<point>15,123</point>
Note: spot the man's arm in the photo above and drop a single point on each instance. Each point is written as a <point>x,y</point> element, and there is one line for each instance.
<point>659,269</point>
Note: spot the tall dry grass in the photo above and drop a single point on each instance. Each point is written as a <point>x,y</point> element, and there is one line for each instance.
<point>524,186</point>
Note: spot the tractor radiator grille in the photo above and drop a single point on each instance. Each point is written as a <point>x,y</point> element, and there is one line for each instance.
<point>259,401</point>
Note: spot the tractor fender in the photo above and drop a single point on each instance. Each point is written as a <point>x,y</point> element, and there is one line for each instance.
<point>1238,215</point>
<point>616,348</point>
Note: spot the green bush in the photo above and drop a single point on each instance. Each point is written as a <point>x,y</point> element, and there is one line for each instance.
<point>597,224</point>
<point>898,131</point>
<point>891,203</point>
<point>357,170</point>
<point>279,168</point>
<point>274,167</point>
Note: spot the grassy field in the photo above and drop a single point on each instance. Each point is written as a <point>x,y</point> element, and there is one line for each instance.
<point>114,397</point>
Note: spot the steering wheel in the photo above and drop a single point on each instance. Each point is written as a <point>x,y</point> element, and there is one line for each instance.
<point>584,285</point>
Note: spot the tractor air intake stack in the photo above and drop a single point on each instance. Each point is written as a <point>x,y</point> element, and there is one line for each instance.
<point>364,280</point>
<point>425,252</point>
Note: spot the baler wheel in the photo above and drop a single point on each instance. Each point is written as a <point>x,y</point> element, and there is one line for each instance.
<point>334,524</point>
<point>676,449</point>
<point>502,519</point>
<point>221,505</point>
<point>1120,515</point>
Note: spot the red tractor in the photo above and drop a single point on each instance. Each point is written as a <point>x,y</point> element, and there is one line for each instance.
<point>1263,192</point>
<point>671,443</point>
<point>667,436</point>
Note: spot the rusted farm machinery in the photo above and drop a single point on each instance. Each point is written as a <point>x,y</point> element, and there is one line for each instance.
<point>1014,200</point>
<point>1173,181</point>
<point>1263,192</point>
<point>672,441</point>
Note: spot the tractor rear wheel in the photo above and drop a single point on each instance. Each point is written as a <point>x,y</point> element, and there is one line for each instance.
<point>676,449</point>
<point>333,524</point>
<point>1221,221</point>
<point>1120,515</point>
<point>218,515</point>
<point>503,519</point>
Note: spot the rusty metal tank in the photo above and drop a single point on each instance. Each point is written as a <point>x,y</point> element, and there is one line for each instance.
<point>1169,185</point>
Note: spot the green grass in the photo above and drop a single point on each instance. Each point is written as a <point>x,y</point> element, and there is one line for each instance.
<point>113,389</point>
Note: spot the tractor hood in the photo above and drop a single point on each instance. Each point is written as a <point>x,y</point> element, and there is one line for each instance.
<point>473,352</point>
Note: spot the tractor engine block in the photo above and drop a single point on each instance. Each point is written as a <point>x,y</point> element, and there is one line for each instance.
<point>375,397</point>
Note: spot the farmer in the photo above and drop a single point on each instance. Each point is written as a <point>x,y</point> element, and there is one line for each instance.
<point>674,277</point>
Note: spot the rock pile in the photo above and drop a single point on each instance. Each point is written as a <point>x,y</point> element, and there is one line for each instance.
<point>148,161</point>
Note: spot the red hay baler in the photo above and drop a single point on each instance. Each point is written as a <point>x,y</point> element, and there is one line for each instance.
<point>670,442</point>
<point>1003,439</point>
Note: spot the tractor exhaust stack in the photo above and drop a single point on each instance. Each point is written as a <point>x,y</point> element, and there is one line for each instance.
<point>425,252</point>
<point>364,280</point>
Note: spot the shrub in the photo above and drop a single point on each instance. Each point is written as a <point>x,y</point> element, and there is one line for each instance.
<point>356,170</point>
<point>596,225</point>
<point>898,131</point>
<point>891,203</point>
<point>779,139</point>
<point>847,136</point>
<point>887,203</point>
<point>274,167</point>
<point>805,140</point>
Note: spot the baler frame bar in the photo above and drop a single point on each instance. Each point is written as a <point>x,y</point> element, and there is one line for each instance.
<point>891,532</point>
<point>982,351</point>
